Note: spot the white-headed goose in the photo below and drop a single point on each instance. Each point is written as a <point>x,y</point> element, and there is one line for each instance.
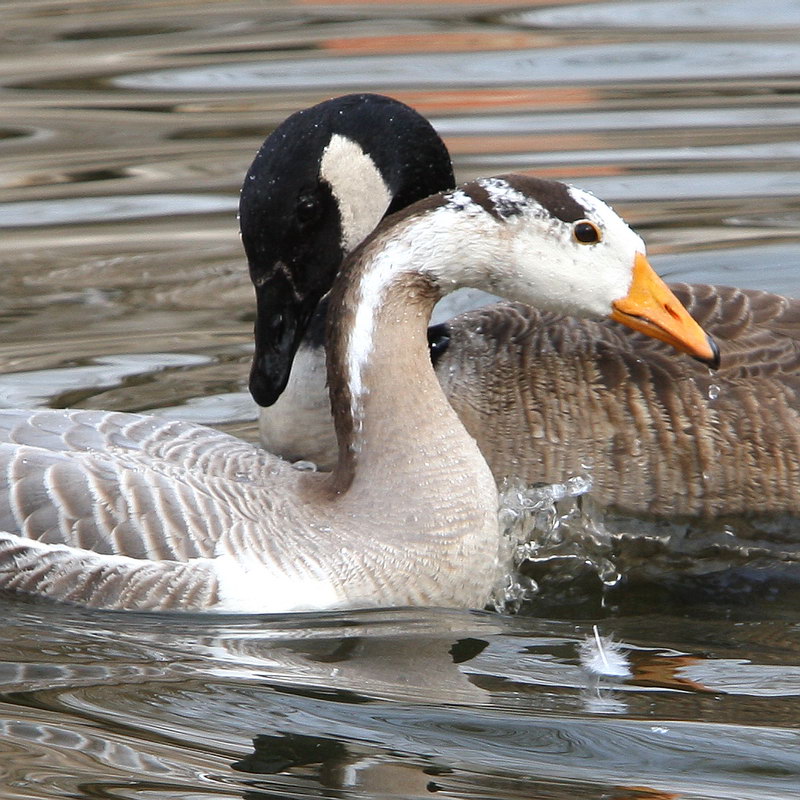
<point>545,395</point>
<point>127,511</point>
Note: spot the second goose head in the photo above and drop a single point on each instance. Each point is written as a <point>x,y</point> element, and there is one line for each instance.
<point>319,184</point>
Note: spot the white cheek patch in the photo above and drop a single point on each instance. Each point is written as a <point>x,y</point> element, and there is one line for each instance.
<point>358,187</point>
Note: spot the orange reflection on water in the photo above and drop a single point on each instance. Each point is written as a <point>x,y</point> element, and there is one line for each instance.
<point>439,42</point>
<point>568,171</point>
<point>664,671</point>
<point>469,101</point>
<point>643,793</point>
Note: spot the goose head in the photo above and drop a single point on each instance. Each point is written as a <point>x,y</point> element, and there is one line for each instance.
<point>589,262</point>
<point>319,184</point>
<point>539,242</point>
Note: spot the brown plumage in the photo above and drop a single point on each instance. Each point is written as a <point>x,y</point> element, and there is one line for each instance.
<point>547,397</point>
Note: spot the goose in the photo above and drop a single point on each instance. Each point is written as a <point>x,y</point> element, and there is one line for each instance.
<point>546,396</point>
<point>125,511</point>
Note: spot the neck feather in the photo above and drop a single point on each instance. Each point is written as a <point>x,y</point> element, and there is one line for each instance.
<point>377,346</point>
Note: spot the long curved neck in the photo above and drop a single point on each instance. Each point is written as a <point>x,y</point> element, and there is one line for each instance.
<point>409,480</point>
<point>389,410</point>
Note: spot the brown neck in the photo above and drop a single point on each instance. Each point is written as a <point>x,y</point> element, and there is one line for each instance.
<point>405,460</point>
<point>395,401</point>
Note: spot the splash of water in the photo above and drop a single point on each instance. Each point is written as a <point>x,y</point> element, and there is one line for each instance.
<point>551,533</point>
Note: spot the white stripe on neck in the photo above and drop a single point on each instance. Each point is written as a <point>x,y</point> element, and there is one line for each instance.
<point>392,258</point>
<point>431,244</point>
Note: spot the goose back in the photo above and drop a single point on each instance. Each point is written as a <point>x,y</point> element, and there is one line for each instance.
<point>657,434</point>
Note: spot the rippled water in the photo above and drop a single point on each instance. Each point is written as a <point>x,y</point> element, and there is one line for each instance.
<point>125,128</point>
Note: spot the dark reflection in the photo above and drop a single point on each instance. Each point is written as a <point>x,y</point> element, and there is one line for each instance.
<point>738,592</point>
<point>322,693</point>
<point>15,133</point>
<point>92,175</point>
<point>466,649</point>
<point>62,83</point>
<point>128,31</point>
<point>278,753</point>
<point>338,766</point>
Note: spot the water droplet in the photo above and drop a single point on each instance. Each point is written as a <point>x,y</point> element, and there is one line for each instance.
<point>713,391</point>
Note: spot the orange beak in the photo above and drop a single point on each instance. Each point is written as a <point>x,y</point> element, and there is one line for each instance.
<point>650,307</point>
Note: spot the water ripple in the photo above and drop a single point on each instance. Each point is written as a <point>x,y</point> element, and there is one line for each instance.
<point>592,64</point>
<point>106,209</point>
<point>683,15</point>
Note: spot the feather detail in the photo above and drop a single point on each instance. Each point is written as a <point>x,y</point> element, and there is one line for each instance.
<point>602,657</point>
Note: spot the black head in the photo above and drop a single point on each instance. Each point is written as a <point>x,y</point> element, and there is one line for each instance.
<point>319,184</point>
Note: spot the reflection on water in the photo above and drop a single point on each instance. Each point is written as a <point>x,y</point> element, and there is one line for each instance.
<point>81,210</point>
<point>125,129</point>
<point>392,702</point>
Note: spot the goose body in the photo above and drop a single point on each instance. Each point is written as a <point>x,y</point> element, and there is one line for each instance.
<point>548,396</point>
<point>659,436</point>
<point>119,510</point>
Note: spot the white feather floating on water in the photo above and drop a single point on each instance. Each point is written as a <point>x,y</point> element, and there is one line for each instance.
<point>602,657</point>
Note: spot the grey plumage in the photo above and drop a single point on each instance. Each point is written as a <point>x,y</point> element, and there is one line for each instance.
<point>120,510</point>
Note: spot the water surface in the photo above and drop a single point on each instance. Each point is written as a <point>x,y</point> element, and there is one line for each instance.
<point>125,129</point>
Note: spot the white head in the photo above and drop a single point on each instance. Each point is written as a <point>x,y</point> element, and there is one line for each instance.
<point>539,242</point>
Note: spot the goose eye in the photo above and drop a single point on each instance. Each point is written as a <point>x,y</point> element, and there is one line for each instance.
<point>586,232</point>
<point>307,209</point>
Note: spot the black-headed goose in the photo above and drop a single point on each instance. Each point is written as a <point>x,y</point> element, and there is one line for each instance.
<point>127,511</point>
<point>545,395</point>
